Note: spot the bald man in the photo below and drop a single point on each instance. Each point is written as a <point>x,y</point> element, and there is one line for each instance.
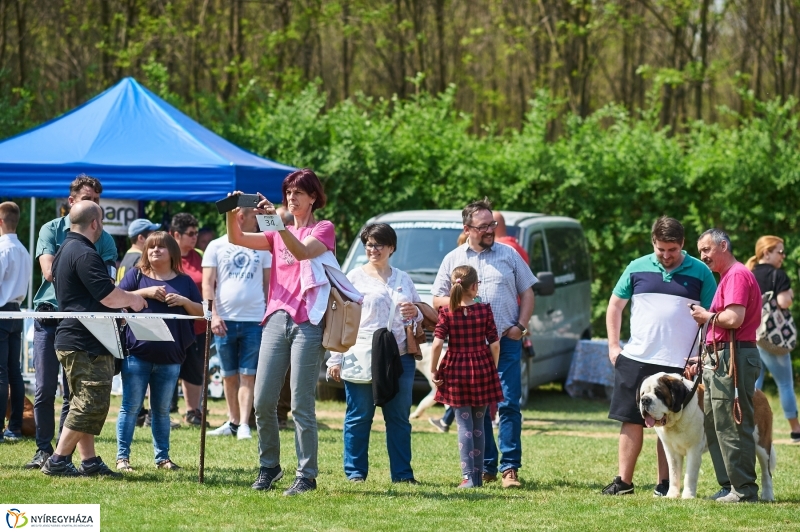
<point>501,235</point>
<point>83,284</point>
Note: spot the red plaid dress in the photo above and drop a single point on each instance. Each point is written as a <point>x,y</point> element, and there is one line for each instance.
<point>467,369</point>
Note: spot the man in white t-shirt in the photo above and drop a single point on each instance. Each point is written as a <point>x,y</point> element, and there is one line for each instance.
<point>237,279</point>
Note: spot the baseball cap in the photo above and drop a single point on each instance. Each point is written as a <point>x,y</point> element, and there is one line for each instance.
<point>140,225</point>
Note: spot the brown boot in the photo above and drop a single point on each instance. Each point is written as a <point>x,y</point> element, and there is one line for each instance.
<point>510,479</point>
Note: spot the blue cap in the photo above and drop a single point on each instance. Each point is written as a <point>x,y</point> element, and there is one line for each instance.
<point>139,226</point>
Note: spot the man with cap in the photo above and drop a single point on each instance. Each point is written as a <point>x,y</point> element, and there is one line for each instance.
<point>138,231</point>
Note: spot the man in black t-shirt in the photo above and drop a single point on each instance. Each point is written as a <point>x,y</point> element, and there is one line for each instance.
<point>138,231</point>
<point>82,284</point>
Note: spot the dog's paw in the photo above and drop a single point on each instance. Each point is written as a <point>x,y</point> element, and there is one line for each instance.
<point>688,495</point>
<point>673,493</point>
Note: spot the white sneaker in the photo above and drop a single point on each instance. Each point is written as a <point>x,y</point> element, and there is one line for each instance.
<point>243,433</point>
<point>224,430</point>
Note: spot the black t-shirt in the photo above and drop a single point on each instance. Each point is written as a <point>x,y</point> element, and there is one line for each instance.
<point>763,273</point>
<point>182,330</point>
<point>129,262</point>
<point>81,281</point>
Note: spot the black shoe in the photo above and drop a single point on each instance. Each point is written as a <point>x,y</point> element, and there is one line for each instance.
<point>439,424</point>
<point>411,481</point>
<point>662,488</point>
<point>59,469</point>
<point>618,488</point>
<point>301,485</point>
<point>267,476</point>
<point>99,468</point>
<point>147,422</point>
<point>718,495</point>
<point>38,460</point>
<point>142,418</point>
<point>795,436</point>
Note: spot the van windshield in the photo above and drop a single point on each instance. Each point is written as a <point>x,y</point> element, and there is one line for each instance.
<point>421,247</point>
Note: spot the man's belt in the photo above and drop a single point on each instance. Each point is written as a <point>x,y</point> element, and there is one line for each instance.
<point>709,348</point>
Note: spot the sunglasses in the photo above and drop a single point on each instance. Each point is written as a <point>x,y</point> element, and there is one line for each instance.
<point>191,234</point>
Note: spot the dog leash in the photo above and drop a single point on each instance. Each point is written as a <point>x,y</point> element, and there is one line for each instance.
<point>732,370</point>
<point>699,376</point>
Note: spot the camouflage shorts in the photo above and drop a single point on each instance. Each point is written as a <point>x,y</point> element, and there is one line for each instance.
<point>89,378</point>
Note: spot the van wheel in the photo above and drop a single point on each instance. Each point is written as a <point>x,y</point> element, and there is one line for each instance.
<point>524,364</point>
<point>329,393</point>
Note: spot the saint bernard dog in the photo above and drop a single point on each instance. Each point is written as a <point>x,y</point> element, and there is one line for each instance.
<point>682,434</point>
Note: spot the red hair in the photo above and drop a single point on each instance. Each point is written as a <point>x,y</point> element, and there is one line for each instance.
<point>307,181</point>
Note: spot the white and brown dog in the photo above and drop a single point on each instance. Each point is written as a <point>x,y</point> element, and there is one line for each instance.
<point>660,399</point>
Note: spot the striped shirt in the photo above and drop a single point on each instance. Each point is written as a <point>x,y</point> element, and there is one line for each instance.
<point>503,276</point>
<point>662,328</point>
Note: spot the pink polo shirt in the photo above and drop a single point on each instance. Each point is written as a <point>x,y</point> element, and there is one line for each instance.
<point>284,277</point>
<point>738,286</point>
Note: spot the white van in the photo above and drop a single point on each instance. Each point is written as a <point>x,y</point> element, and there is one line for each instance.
<point>558,257</point>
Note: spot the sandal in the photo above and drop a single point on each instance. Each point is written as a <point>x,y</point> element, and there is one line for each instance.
<point>123,464</point>
<point>168,464</point>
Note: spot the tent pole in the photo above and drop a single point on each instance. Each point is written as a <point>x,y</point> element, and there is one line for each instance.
<point>31,244</point>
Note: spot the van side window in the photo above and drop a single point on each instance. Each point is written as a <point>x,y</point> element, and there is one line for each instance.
<point>536,252</point>
<point>569,258</point>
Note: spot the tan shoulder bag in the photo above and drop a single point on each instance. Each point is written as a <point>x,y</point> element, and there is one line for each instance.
<point>342,317</point>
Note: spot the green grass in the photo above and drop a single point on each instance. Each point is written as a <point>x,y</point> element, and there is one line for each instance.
<point>569,454</point>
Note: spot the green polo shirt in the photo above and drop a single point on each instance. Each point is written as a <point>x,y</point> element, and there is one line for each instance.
<point>51,236</point>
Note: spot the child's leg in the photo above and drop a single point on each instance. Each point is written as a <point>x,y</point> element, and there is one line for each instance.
<point>466,446</point>
<point>479,444</point>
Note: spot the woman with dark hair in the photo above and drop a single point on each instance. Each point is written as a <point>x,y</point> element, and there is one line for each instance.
<point>183,228</point>
<point>159,278</point>
<point>383,287</point>
<point>289,338</point>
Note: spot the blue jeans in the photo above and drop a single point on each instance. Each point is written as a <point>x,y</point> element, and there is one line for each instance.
<point>11,370</point>
<point>285,343</point>
<point>47,368</point>
<point>358,422</point>
<point>238,349</point>
<point>136,376</point>
<point>780,366</point>
<point>510,429</point>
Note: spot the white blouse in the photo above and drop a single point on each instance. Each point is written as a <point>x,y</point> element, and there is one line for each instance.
<point>378,303</point>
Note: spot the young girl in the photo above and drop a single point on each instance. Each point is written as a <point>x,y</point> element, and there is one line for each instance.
<point>467,378</point>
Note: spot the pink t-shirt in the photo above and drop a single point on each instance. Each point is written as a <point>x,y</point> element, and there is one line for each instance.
<point>284,278</point>
<point>738,286</point>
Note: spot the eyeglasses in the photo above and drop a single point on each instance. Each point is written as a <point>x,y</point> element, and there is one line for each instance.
<point>376,247</point>
<point>483,228</point>
<point>191,234</point>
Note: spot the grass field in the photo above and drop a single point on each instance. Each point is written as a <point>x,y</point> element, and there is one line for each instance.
<point>569,454</point>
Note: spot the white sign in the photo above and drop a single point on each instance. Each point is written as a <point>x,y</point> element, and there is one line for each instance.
<point>270,222</point>
<point>46,517</point>
<point>117,214</point>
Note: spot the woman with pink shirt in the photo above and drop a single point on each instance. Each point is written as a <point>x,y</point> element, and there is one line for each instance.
<point>289,338</point>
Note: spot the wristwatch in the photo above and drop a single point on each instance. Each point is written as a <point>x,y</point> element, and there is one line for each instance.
<point>521,328</point>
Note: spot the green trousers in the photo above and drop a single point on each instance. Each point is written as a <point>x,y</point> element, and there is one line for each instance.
<point>731,445</point>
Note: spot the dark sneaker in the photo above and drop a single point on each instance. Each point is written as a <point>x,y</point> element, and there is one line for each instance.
<point>38,460</point>
<point>143,418</point>
<point>721,493</point>
<point>12,436</point>
<point>99,468</point>
<point>618,488</point>
<point>59,469</point>
<point>795,436</point>
<point>439,424</point>
<point>301,485</point>
<point>194,417</point>
<point>662,488</point>
<point>489,477</point>
<point>411,481</point>
<point>267,476</point>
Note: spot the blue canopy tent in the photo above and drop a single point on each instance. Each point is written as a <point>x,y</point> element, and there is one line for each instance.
<point>140,147</point>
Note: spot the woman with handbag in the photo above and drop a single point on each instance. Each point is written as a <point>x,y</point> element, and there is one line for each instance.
<point>289,337</point>
<point>389,297</point>
<point>159,278</point>
<point>766,266</point>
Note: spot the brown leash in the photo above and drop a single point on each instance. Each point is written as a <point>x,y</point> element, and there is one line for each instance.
<point>732,370</point>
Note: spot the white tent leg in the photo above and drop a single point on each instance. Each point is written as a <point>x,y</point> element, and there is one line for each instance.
<point>32,251</point>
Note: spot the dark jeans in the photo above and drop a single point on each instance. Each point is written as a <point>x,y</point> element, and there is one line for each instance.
<point>11,371</point>
<point>47,366</point>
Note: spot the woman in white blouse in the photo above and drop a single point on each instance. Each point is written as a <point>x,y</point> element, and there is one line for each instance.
<point>381,285</point>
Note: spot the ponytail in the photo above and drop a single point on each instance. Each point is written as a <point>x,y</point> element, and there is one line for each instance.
<point>461,277</point>
<point>751,263</point>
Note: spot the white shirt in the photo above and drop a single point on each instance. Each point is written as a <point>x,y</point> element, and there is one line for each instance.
<point>239,295</point>
<point>15,270</point>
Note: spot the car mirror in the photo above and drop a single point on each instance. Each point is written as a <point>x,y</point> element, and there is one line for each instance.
<point>546,285</point>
